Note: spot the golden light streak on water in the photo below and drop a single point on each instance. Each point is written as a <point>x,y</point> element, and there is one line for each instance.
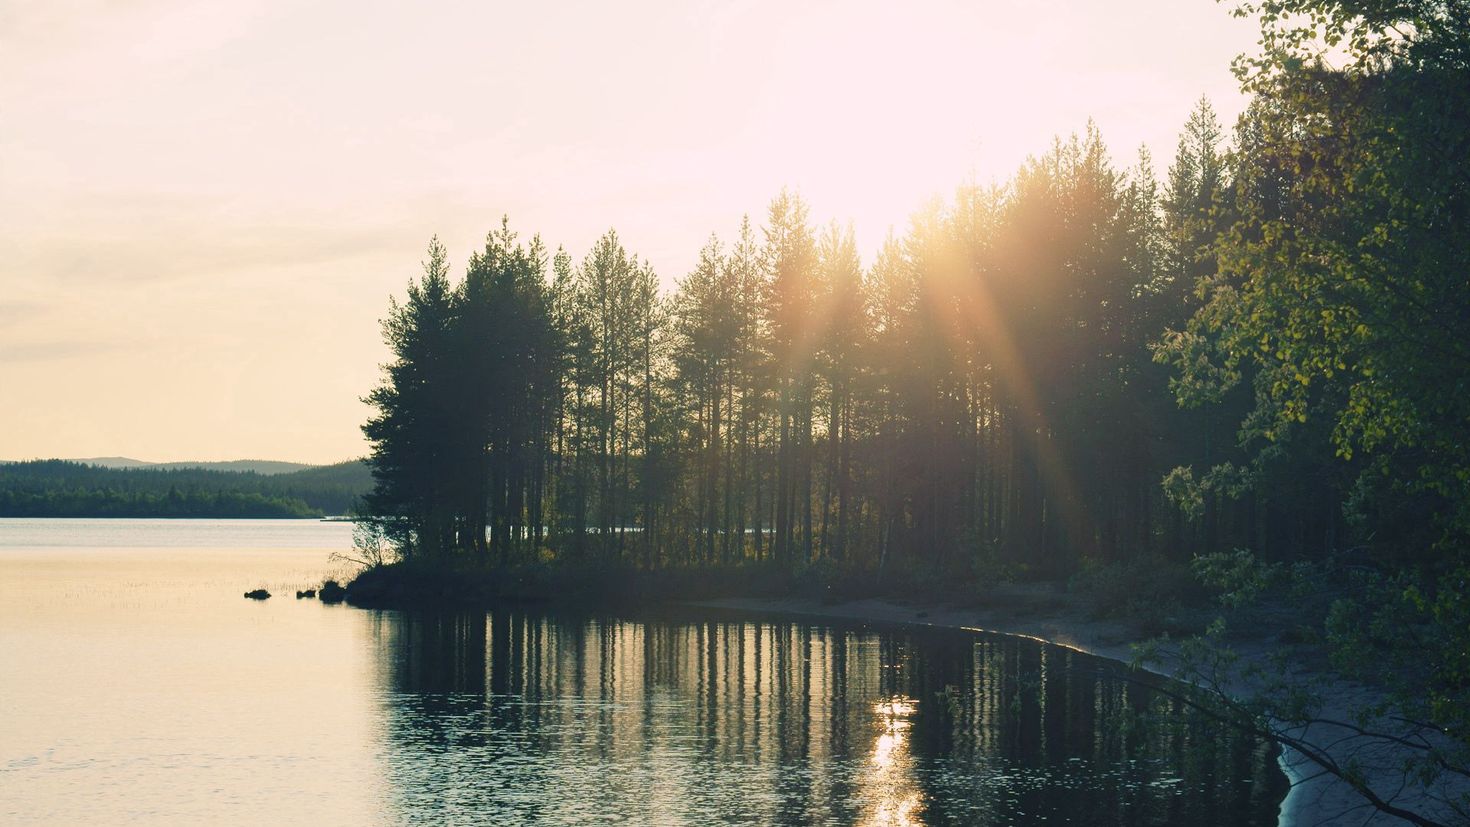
<point>890,782</point>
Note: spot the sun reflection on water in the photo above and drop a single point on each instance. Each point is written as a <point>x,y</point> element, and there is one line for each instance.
<point>889,783</point>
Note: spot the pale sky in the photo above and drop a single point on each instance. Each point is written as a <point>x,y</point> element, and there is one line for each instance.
<point>205,206</point>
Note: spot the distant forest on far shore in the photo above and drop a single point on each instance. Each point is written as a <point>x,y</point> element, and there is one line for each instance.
<point>58,488</point>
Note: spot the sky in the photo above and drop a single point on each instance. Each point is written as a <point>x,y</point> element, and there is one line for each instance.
<point>204,207</point>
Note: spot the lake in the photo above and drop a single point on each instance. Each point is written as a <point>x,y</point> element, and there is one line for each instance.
<point>138,686</point>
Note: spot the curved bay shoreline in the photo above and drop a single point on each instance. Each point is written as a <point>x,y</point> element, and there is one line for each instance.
<point>1046,612</point>
<point>1313,798</point>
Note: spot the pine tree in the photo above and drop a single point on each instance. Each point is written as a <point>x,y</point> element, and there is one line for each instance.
<point>412,431</point>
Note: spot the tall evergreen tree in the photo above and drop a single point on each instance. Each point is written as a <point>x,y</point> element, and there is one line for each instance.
<point>411,430</point>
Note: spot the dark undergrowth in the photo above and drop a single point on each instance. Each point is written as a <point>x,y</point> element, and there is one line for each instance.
<point>416,584</point>
<point>1158,596</point>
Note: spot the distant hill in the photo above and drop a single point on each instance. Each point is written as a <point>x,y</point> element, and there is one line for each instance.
<point>67,488</point>
<point>354,474</point>
<point>259,466</point>
<point>110,462</point>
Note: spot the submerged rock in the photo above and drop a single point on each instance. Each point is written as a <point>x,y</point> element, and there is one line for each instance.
<point>332,592</point>
<point>307,593</point>
<point>258,594</point>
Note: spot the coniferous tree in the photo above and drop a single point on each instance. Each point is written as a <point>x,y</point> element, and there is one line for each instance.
<point>790,256</point>
<point>411,430</point>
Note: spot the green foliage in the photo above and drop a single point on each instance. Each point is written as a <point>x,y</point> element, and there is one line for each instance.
<point>1342,288</point>
<point>1237,577</point>
<point>1411,636</point>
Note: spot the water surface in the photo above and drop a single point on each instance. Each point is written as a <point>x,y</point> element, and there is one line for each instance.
<point>137,686</point>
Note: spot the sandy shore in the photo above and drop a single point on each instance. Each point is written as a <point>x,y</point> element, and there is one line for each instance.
<point>1041,614</point>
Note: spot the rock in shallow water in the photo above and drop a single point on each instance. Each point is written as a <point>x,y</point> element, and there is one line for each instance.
<point>258,594</point>
<point>332,592</point>
<point>307,593</point>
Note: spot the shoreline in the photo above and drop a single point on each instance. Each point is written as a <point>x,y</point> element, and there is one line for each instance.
<point>1043,611</point>
<point>1312,798</point>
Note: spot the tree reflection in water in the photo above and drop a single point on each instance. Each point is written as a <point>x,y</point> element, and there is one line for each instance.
<point>513,717</point>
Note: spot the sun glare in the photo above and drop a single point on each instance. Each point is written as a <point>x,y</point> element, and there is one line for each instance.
<point>889,784</point>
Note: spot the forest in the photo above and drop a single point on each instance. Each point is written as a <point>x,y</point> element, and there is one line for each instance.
<point>1251,368</point>
<point>57,488</point>
<point>1265,350</point>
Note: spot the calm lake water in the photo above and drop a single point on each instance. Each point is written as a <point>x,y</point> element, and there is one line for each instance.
<point>137,686</point>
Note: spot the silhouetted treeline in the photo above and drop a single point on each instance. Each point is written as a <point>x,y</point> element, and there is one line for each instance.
<point>56,488</point>
<point>984,392</point>
<point>1082,364</point>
